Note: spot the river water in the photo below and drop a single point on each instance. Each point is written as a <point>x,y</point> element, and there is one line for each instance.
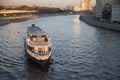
<point>80,51</point>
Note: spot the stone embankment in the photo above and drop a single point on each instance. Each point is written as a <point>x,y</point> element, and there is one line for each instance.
<point>91,20</point>
<point>4,22</point>
<point>7,20</point>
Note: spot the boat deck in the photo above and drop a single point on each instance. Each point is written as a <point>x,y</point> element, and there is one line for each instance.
<point>39,42</point>
<point>37,37</point>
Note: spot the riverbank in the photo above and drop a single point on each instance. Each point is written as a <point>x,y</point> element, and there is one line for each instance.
<point>18,18</point>
<point>7,20</point>
<point>4,22</point>
<point>91,20</point>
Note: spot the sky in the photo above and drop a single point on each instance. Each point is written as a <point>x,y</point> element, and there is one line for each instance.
<point>55,3</point>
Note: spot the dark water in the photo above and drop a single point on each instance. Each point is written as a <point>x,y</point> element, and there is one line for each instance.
<point>80,51</point>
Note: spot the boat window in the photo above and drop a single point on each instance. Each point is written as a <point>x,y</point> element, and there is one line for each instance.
<point>42,49</point>
<point>49,48</point>
<point>30,48</point>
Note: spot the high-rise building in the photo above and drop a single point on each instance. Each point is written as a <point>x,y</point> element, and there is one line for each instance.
<point>87,4</point>
<point>91,4</point>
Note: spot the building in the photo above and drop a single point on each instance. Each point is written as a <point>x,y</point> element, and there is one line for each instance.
<point>83,5</point>
<point>87,5</point>
<point>91,5</point>
<point>50,5</point>
<point>103,8</point>
<point>76,9</point>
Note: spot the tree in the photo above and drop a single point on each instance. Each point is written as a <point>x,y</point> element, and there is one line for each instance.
<point>24,7</point>
<point>1,7</point>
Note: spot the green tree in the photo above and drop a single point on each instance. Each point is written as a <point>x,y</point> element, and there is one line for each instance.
<point>24,7</point>
<point>1,7</point>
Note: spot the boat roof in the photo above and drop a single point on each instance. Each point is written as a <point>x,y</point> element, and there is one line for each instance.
<point>35,30</point>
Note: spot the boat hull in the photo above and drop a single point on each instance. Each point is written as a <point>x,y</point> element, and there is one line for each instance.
<point>40,62</point>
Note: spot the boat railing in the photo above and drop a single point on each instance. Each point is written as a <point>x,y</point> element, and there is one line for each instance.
<point>38,43</point>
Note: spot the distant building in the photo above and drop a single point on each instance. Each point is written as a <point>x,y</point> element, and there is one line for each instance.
<point>87,5</point>
<point>83,5</point>
<point>50,5</point>
<point>76,9</point>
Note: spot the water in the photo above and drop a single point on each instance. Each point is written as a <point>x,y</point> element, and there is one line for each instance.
<point>80,51</point>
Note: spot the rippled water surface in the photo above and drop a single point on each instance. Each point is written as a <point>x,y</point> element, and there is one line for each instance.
<point>80,51</point>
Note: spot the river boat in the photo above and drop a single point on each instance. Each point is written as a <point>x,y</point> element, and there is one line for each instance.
<point>38,45</point>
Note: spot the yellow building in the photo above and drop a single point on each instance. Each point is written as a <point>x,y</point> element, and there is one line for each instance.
<point>87,5</point>
<point>77,9</point>
<point>50,5</point>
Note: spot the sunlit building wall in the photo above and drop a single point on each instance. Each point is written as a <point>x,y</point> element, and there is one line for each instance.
<point>83,5</point>
<point>87,4</point>
<point>91,5</point>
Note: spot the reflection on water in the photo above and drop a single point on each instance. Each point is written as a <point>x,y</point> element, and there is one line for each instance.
<point>80,51</point>
<point>37,71</point>
<point>76,27</point>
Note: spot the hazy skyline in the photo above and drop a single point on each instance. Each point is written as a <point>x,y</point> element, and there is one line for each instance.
<point>55,3</point>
